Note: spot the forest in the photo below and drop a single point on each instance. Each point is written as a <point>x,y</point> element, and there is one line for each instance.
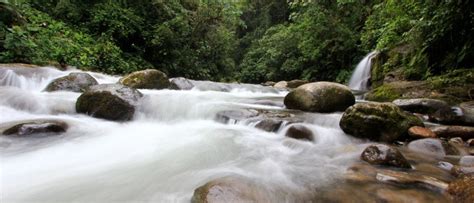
<point>244,41</point>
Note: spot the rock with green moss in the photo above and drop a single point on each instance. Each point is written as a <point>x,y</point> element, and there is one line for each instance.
<point>146,79</point>
<point>384,122</point>
<point>75,82</point>
<point>320,97</point>
<point>109,101</point>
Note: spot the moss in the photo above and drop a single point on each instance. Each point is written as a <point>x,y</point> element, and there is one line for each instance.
<point>384,93</point>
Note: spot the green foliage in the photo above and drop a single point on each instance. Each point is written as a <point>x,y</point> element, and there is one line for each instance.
<point>459,77</point>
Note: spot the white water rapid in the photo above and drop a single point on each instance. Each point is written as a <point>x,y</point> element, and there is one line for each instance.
<point>361,75</point>
<point>171,147</point>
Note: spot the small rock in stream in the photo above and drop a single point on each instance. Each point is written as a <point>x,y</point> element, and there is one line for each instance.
<point>36,127</point>
<point>384,155</point>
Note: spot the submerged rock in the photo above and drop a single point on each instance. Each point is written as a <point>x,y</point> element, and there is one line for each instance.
<point>299,132</point>
<point>269,125</point>
<point>109,101</point>
<point>75,82</point>
<point>420,105</point>
<point>463,132</point>
<point>146,79</point>
<point>44,127</point>
<point>384,155</point>
<point>320,97</point>
<point>428,146</point>
<point>383,122</point>
<point>229,189</point>
<point>461,189</point>
<point>180,83</point>
<point>418,132</point>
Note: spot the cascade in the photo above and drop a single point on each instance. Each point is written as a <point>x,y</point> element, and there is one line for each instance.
<point>360,77</point>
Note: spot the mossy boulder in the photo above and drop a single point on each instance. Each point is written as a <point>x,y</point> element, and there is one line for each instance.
<point>74,82</point>
<point>320,97</point>
<point>383,122</point>
<point>146,79</point>
<point>109,101</point>
<point>421,105</point>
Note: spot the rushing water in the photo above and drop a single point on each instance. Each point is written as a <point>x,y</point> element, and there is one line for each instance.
<point>172,146</point>
<point>360,77</point>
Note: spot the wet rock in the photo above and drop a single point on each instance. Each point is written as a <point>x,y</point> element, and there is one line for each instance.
<point>269,125</point>
<point>235,115</point>
<point>406,195</point>
<point>421,105</point>
<point>74,82</point>
<point>281,84</point>
<point>463,132</point>
<point>320,97</point>
<point>458,171</point>
<point>383,122</point>
<point>384,155</point>
<point>109,101</point>
<point>410,180</point>
<point>146,79</point>
<point>467,161</point>
<point>428,146</point>
<point>180,83</point>
<point>229,189</point>
<point>299,132</point>
<point>418,132</point>
<point>296,83</point>
<point>43,127</point>
<point>447,115</point>
<point>461,189</point>
<point>445,165</point>
<point>468,111</point>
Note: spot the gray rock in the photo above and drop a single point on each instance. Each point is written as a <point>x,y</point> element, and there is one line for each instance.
<point>450,131</point>
<point>75,82</point>
<point>467,161</point>
<point>468,111</point>
<point>420,105</point>
<point>428,146</point>
<point>269,125</point>
<point>180,83</point>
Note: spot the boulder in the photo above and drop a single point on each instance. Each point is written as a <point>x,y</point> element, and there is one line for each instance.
<point>109,101</point>
<point>281,84</point>
<point>180,83</point>
<point>269,125</point>
<point>43,127</point>
<point>417,132</point>
<point>299,132</point>
<point>470,142</point>
<point>146,79</point>
<point>320,97</point>
<point>295,83</point>
<point>428,146</point>
<point>74,82</point>
<point>229,189</point>
<point>450,131</point>
<point>234,116</point>
<point>383,122</point>
<point>421,105</point>
<point>461,189</point>
<point>384,155</point>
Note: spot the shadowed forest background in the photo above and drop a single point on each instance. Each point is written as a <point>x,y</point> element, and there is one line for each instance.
<point>245,41</point>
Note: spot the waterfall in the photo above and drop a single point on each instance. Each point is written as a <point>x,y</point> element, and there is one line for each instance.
<point>360,77</point>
